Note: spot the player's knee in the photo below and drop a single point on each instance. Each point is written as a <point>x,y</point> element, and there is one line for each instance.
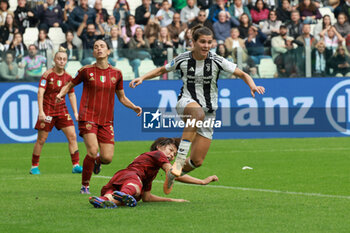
<point>41,141</point>
<point>92,151</point>
<point>106,159</point>
<point>72,137</point>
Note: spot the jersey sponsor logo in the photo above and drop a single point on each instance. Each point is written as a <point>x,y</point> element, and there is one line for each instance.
<point>103,78</point>
<point>59,83</point>
<point>19,113</point>
<point>114,80</point>
<point>43,83</point>
<point>88,126</point>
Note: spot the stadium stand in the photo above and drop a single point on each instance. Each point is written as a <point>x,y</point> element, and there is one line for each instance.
<point>30,36</point>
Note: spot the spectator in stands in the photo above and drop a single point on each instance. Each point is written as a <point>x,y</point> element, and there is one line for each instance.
<point>116,45</point>
<point>204,4</point>
<point>251,3</point>
<point>145,12</point>
<point>152,30</point>
<point>88,37</point>
<point>189,12</point>
<point>43,43</point>
<point>284,11</point>
<point>17,47</point>
<point>33,64</point>
<point>337,6</point>
<point>279,51</point>
<point>178,5</point>
<point>187,43</point>
<point>331,38</point>
<point>67,10</point>
<point>9,68</point>
<point>4,10</point>
<point>309,12</point>
<point>160,47</point>
<point>130,27</point>
<point>342,25</point>
<point>120,11</point>
<point>215,10</point>
<point>24,16</point>
<point>139,50</point>
<point>50,15</point>
<point>255,44</point>
<point>271,27</point>
<point>175,29</point>
<point>77,16</point>
<point>233,42</point>
<point>346,8</point>
<point>306,38</point>
<point>107,26</point>
<point>259,12</point>
<point>320,59</point>
<point>295,27</point>
<point>326,22</point>
<point>201,19</point>
<point>237,9</point>
<point>222,51</point>
<point>340,62</point>
<point>101,12</point>
<point>72,49</point>
<point>165,15</point>
<point>244,25</point>
<point>223,26</point>
<point>8,30</point>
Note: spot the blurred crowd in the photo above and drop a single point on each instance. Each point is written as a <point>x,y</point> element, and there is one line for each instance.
<point>247,32</point>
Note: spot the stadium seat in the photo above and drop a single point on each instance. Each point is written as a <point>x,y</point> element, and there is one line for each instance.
<point>73,67</point>
<point>267,68</point>
<point>146,66</point>
<point>109,5</point>
<point>13,5</point>
<point>126,69</point>
<point>326,11</point>
<point>57,37</point>
<point>133,5</point>
<point>30,36</point>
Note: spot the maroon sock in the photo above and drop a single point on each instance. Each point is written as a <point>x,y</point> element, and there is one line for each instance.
<point>35,160</point>
<point>129,189</point>
<point>98,160</point>
<point>75,158</point>
<point>88,166</point>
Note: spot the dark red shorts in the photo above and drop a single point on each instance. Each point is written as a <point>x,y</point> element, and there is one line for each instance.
<point>120,179</point>
<point>104,133</point>
<point>58,121</point>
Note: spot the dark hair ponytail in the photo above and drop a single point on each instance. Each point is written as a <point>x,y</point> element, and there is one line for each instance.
<point>200,30</point>
<point>163,141</point>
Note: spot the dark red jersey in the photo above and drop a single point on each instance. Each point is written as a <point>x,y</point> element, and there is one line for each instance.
<point>97,101</point>
<point>53,83</point>
<point>145,166</point>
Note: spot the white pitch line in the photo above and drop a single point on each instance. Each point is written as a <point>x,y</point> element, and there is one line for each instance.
<point>285,150</point>
<point>252,189</point>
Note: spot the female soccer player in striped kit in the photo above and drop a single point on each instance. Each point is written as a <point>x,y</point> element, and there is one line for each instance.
<point>101,82</point>
<point>55,114</point>
<point>198,99</point>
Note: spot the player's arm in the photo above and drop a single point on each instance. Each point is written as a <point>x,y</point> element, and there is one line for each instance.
<point>149,197</point>
<point>249,81</point>
<point>41,92</point>
<point>152,74</point>
<point>127,103</point>
<point>192,180</point>
<point>73,103</point>
<point>64,91</point>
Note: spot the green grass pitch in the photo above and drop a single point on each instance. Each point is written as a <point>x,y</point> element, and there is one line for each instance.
<point>296,185</point>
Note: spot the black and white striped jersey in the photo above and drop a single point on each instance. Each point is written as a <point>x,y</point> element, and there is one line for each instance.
<point>200,77</point>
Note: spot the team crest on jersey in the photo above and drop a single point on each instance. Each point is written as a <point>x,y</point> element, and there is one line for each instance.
<point>59,83</point>
<point>43,83</point>
<point>42,125</point>
<point>88,126</point>
<point>103,78</point>
<point>113,79</point>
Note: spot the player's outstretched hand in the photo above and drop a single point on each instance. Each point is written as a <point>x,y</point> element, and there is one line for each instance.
<point>138,110</point>
<point>210,179</point>
<point>258,89</point>
<point>76,115</point>
<point>135,82</point>
<point>58,98</point>
<point>180,200</point>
